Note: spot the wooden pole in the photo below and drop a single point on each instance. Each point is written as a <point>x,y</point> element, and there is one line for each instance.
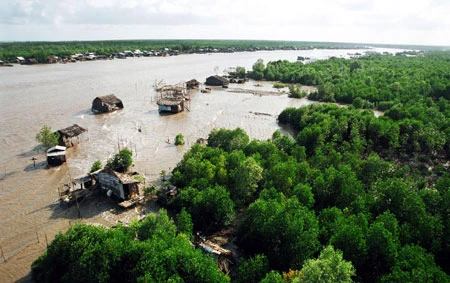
<point>37,237</point>
<point>78,206</point>
<point>3,255</point>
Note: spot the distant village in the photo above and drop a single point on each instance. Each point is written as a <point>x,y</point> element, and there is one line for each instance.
<point>90,56</point>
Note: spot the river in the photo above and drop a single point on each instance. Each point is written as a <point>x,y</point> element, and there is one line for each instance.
<point>61,95</point>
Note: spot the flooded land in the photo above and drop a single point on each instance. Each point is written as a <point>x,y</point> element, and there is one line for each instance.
<point>61,95</point>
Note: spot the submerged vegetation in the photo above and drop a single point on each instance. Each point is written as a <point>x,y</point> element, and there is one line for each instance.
<point>179,139</point>
<point>350,197</point>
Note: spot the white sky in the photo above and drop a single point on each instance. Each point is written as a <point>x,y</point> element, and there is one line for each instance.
<point>424,22</point>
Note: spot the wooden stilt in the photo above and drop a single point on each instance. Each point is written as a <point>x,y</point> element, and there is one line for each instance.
<point>3,255</point>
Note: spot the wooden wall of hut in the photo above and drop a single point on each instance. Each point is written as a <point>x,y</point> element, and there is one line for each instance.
<point>107,103</point>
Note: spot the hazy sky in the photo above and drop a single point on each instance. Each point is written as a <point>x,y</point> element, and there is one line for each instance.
<point>425,22</point>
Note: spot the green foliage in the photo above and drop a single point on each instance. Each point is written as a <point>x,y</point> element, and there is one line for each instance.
<point>121,161</point>
<point>382,249</point>
<point>252,270</point>
<point>97,165</point>
<point>179,139</point>
<point>95,254</point>
<point>414,264</point>
<point>282,229</point>
<point>258,69</point>
<point>184,223</point>
<point>228,140</point>
<point>211,208</point>
<point>139,178</point>
<point>304,194</point>
<point>362,175</point>
<point>245,181</point>
<point>46,137</point>
<point>329,267</point>
<point>349,236</point>
<point>149,191</point>
<point>278,85</point>
<point>272,277</point>
<point>295,91</point>
<point>367,81</point>
<point>241,72</point>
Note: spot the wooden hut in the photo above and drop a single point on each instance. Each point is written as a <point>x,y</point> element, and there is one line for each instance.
<point>56,155</point>
<point>192,84</point>
<point>107,103</point>
<point>20,59</point>
<point>170,104</point>
<point>52,59</point>
<point>217,81</point>
<point>121,186</point>
<point>31,61</point>
<point>72,135</point>
<point>172,98</point>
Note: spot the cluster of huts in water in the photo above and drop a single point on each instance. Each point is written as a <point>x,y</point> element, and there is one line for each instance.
<point>124,187</point>
<point>171,98</point>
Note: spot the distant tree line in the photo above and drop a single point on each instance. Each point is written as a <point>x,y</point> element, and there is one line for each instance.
<point>41,50</point>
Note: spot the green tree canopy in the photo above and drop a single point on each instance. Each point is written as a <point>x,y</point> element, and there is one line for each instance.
<point>97,165</point>
<point>282,229</point>
<point>414,264</point>
<point>88,253</point>
<point>121,161</point>
<point>329,267</point>
<point>228,140</point>
<point>46,137</point>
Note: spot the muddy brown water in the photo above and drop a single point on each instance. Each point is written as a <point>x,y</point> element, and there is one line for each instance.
<point>60,95</point>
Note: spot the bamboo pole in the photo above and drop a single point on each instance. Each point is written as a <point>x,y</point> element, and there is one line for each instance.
<point>3,255</point>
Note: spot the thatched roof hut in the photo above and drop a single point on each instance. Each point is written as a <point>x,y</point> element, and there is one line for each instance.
<point>72,135</point>
<point>170,104</point>
<point>192,84</point>
<point>107,103</point>
<point>217,81</point>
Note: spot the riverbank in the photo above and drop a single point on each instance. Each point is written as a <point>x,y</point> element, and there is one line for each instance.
<point>43,52</point>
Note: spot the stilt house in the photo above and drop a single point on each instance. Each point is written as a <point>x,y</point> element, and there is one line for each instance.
<point>172,98</point>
